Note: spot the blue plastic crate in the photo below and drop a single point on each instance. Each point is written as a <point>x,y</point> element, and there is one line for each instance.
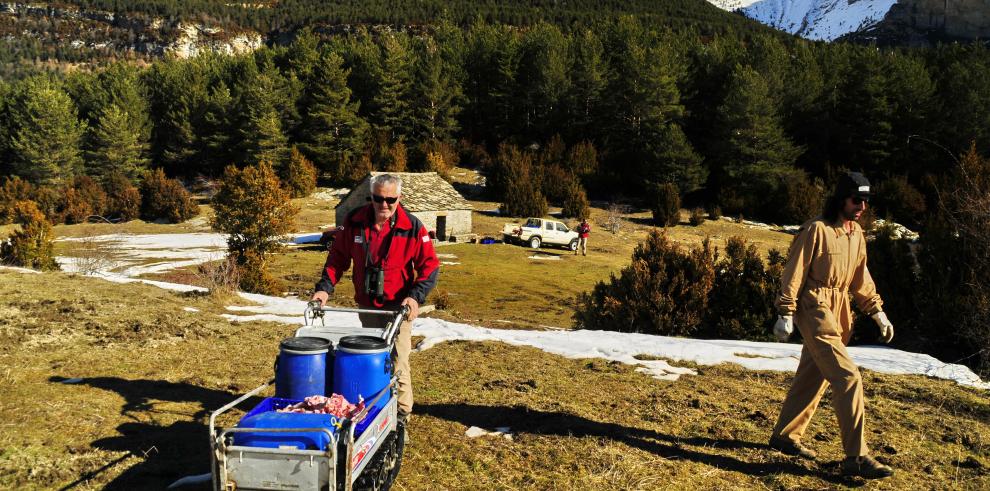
<point>265,415</point>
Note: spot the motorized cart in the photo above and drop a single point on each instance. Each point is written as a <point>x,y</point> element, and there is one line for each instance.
<point>272,450</point>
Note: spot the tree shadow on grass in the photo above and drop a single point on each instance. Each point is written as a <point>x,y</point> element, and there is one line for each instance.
<point>525,420</point>
<point>168,452</point>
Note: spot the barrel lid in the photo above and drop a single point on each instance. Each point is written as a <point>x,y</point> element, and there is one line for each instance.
<point>362,343</point>
<point>306,344</point>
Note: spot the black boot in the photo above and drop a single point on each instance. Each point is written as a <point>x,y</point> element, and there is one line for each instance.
<point>866,467</point>
<point>792,448</point>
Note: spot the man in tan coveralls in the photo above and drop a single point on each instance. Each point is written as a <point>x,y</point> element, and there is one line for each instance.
<point>827,262</point>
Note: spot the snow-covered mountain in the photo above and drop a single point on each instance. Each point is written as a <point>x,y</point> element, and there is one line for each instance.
<point>812,19</point>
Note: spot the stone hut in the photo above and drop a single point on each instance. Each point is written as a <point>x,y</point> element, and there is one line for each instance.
<point>425,194</point>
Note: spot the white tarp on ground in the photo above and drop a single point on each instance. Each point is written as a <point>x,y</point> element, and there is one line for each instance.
<point>622,347</point>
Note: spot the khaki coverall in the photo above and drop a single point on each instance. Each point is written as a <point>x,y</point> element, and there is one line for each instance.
<point>824,265</point>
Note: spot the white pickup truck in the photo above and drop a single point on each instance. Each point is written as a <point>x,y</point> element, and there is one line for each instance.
<point>538,232</point>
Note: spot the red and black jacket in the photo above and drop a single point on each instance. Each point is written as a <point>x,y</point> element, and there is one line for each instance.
<point>410,264</point>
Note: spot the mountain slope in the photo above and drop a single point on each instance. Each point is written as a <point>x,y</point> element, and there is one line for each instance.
<point>813,19</point>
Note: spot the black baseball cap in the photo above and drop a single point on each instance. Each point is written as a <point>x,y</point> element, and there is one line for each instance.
<point>853,184</point>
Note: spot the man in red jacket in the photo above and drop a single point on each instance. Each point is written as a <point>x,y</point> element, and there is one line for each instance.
<point>394,265</point>
<point>583,230</point>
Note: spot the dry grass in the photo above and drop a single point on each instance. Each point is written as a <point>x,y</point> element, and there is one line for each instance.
<point>151,373</point>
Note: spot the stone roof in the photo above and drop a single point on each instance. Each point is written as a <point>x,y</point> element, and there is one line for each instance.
<point>421,191</point>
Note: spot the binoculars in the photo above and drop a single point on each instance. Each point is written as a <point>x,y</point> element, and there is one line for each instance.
<point>374,281</point>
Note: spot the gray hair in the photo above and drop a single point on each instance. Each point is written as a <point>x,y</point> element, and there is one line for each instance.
<point>383,179</point>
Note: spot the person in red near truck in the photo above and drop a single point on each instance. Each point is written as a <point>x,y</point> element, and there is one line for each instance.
<point>394,265</point>
<point>583,230</point>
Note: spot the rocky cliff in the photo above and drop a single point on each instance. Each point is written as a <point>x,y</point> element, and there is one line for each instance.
<point>914,21</point>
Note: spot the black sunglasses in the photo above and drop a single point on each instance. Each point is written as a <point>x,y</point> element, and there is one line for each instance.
<point>857,200</point>
<point>381,199</point>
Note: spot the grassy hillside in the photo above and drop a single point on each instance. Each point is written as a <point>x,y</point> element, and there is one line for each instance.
<point>151,372</point>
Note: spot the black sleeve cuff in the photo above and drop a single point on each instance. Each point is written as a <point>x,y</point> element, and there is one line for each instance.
<point>324,285</point>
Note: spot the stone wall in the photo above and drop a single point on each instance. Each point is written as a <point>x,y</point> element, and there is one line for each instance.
<point>458,222</point>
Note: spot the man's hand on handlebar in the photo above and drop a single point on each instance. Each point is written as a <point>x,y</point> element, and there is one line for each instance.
<point>413,308</point>
<point>321,297</point>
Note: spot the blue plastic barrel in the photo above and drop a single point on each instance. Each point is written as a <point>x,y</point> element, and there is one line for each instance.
<point>362,367</point>
<point>301,370</point>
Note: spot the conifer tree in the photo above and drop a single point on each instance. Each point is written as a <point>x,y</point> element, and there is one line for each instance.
<point>42,134</point>
<point>116,146</point>
<point>435,95</point>
<point>755,153</point>
<point>299,175</point>
<point>541,80</point>
<point>390,110</point>
<point>587,81</point>
<point>332,132</point>
<point>262,138</point>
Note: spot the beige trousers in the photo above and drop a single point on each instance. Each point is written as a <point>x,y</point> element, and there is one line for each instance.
<point>400,357</point>
<point>582,246</point>
<point>824,362</point>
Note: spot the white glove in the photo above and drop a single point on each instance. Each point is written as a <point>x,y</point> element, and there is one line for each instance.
<point>784,327</point>
<point>886,328</point>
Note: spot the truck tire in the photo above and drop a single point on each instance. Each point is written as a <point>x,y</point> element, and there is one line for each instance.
<point>573,245</point>
<point>535,242</point>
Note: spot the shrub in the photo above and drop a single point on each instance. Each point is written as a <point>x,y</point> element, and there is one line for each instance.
<point>451,156</point>
<point>553,152</point>
<point>801,199</point>
<point>441,299</point>
<point>894,269</point>
<point>741,304</point>
<point>714,212</point>
<point>221,278</point>
<point>73,207</point>
<point>582,159</point>
<point>299,175</point>
<point>472,155</point>
<point>556,183</point>
<point>896,198</point>
<point>521,195</point>
<point>49,200</point>
<point>697,217</point>
<point>357,168</point>
<point>256,213</point>
<point>435,163</point>
<point>576,203</point>
<point>123,198</point>
<point>165,199</point>
<point>497,172</point>
<point>13,190</point>
<point>33,245</point>
<point>667,205</point>
<point>955,266</point>
<point>395,158</point>
<point>613,218</point>
<point>92,255</point>
<point>91,192</point>
<point>252,271</point>
<point>252,207</point>
<point>663,291</point>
